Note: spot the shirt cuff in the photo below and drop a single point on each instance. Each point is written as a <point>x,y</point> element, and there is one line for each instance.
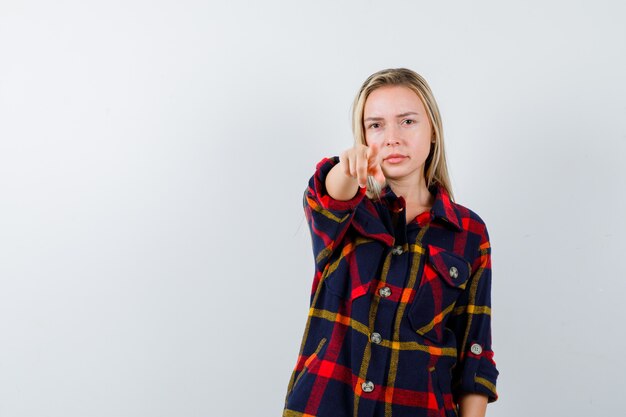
<point>479,374</point>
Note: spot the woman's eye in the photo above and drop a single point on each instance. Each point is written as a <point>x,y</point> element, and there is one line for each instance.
<point>374,126</point>
<point>409,122</point>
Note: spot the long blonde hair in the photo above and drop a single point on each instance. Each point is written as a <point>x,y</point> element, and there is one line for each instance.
<point>435,167</point>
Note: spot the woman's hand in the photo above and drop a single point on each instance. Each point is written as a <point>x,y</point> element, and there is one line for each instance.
<point>360,161</point>
<point>355,165</point>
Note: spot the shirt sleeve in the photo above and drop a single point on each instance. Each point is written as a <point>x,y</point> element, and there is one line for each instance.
<point>328,218</point>
<point>476,370</point>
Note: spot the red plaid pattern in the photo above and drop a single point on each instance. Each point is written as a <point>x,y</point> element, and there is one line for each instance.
<point>400,316</point>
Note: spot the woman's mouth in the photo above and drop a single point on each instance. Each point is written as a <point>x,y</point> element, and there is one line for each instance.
<point>395,158</point>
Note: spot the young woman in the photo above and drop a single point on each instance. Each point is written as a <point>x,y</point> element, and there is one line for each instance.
<point>399,323</point>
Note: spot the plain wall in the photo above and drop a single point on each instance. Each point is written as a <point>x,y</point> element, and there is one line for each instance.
<point>154,256</point>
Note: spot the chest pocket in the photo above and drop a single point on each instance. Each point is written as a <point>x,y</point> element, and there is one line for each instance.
<point>445,275</point>
<point>350,274</point>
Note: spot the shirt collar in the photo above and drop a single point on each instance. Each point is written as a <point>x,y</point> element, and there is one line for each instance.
<point>443,207</point>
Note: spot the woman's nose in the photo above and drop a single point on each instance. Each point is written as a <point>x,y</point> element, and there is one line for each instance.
<point>391,136</point>
<point>391,140</point>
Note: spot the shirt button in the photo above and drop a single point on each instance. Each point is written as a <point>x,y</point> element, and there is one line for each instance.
<point>367,386</point>
<point>384,292</point>
<point>454,273</point>
<point>376,338</point>
<point>476,349</point>
<point>397,250</point>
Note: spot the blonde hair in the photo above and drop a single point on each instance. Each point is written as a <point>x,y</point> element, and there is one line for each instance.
<point>435,167</point>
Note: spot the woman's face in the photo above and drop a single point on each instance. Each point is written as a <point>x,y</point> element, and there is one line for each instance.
<point>394,117</point>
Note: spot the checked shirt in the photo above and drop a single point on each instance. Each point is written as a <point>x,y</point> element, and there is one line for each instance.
<point>399,321</point>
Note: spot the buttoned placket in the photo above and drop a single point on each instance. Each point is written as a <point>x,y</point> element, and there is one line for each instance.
<point>399,261</point>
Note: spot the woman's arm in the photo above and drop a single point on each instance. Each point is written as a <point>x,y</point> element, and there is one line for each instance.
<point>327,217</point>
<point>473,405</point>
<point>476,371</point>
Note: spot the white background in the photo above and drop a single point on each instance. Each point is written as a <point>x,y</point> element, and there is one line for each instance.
<point>154,257</point>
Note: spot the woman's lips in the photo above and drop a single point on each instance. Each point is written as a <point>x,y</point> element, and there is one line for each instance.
<point>395,158</point>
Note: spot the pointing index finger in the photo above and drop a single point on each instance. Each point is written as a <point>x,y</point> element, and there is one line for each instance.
<point>372,154</point>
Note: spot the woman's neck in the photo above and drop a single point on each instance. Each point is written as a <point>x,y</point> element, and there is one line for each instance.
<point>412,193</point>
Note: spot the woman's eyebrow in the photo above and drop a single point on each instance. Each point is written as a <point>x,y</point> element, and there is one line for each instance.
<point>409,113</point>
<point>375,119</point>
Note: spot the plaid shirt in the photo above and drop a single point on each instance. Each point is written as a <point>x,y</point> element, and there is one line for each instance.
<point>399,323</point>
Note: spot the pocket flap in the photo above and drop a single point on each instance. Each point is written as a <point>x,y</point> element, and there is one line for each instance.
<point>444,278</point>
<point>454,269</point>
